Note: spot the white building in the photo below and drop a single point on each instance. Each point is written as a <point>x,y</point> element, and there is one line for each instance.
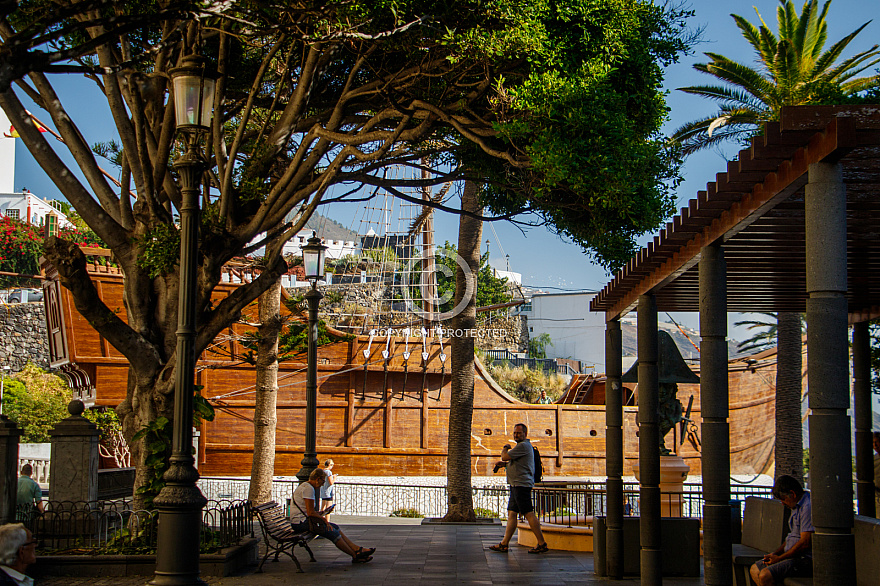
<point>23,206</point>
<point>336,249</point>
<point>575,331</point>
<point>27,207</point>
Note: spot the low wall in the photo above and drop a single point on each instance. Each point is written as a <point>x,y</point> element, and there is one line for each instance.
<point>23,336</point>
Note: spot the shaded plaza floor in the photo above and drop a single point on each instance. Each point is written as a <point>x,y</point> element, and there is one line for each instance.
<point>409,553</point>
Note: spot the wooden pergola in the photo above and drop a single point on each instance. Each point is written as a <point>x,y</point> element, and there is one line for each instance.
<point>790,226</point>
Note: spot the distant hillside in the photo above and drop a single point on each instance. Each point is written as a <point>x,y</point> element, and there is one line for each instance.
<point>329,229</point>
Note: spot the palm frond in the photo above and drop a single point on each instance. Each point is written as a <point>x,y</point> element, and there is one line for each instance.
<point>834,52</point>
<point>729,96</point>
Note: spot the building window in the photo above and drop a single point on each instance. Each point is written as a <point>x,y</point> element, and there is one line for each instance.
<point>51,225</point>
<point>12,213</point>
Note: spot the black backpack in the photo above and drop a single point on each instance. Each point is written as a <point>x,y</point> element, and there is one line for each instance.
<point>539,468</point>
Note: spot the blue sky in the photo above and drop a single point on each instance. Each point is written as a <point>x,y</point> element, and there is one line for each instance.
<point>544,259</point>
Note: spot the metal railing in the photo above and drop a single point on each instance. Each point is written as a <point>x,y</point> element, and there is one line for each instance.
<point>114,527</point>
<point>569,503</point>
<point>566,503</point>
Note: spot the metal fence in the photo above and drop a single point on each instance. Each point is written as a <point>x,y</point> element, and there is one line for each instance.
<point>114,527</point>
<point>570,503</point>
<point>565,503</point>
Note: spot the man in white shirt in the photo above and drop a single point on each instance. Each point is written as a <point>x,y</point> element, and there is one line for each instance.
<point>17,552</point>
<point>303,508</point>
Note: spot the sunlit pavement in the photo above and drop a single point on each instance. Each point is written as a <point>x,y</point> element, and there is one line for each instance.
<point>409,553</point>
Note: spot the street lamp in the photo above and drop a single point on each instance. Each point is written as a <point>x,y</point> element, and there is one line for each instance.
<point>180,502</point>
<point>313,263</point>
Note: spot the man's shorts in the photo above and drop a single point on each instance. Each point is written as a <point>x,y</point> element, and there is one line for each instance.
<point>788,568</point>
<point>520,500</point>
<point>332,533</point>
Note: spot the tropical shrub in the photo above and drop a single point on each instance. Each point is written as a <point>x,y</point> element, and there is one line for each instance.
<point>37,401</point>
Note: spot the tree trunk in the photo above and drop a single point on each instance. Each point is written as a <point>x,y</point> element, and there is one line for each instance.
<point>789,372</point>
<point>461,409</point>
<point>265,420</point>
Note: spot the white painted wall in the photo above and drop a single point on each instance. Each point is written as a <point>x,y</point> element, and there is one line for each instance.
<point>574,330</point>
<point>7,156</point>
<point>28,203</point>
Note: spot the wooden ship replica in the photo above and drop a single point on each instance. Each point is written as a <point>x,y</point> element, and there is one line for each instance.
<point>389,417</point>
<point>383,401</point>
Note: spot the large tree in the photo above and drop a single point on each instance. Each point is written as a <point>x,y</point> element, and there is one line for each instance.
<point>558,107</point>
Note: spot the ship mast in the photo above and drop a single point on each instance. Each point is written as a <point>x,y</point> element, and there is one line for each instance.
<point>428,281</point>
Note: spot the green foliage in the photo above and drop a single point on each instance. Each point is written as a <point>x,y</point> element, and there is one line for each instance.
<point>106,420</point>
<point>20,247</point>
<point>764,336</point>
<point>382,254</point>
<point>486,513</point>
<point>794,69</point>
<point>36,400</point>
<point>156,442</point>
<point>160,250</point>
<point>490,289</point>
<point>526,384</point>
<point>333,296</point>
<point>538,346</point>
<point>155,438</point>
<point>410,513</point>
<point>588,115</point>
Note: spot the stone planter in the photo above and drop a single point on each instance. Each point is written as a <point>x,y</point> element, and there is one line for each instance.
<point>227,562</point>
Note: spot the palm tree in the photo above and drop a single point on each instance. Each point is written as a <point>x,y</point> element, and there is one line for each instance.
<point>794,70</point>
<point>785,331</point>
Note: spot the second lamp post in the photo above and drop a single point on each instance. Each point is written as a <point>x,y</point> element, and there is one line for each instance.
<point>313,263</point>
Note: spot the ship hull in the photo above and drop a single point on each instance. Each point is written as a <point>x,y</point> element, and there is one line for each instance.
<point>392,419</point>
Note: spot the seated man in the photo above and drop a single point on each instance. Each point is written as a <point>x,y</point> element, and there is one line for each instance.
<point>17,552</point>
<point>30,495</point>
<point>795,556</point>
<point>304,498</point>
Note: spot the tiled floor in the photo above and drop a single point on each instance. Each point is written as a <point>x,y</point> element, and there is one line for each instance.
<point>411,554</point>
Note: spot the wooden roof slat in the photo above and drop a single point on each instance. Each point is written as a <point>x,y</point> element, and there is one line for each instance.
<point>763,229</point>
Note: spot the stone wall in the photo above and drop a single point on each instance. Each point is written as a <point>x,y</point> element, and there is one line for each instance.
<point>23,336</point>
<point>496,331</point>
<point>503,332</point>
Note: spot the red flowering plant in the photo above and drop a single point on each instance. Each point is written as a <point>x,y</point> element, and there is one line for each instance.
<point>21,245</point>
<point>86,238</point>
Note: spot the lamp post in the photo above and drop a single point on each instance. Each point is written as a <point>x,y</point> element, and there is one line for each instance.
<point>313,262</point>
<point>180,502</point>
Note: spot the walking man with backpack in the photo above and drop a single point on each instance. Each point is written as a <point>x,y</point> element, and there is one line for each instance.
<point>521,470</point>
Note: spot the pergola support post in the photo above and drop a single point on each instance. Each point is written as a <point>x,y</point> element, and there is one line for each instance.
<point>649,442</point>
<point>861,350</point>
<point>614,450</point>
<point>714,395</point>
<point>828,376</point>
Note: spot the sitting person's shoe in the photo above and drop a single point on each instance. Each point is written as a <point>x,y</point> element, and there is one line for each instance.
<point>540,548</point>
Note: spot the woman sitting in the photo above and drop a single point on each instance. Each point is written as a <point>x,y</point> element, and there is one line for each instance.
<point>304,498</point>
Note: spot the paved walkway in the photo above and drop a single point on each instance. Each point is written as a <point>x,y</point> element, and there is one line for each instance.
<point>409,553</point>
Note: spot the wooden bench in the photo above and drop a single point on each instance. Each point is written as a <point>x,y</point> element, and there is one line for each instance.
<point>866,531</point>
<point>765,525</point>
<point>279,535</point>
